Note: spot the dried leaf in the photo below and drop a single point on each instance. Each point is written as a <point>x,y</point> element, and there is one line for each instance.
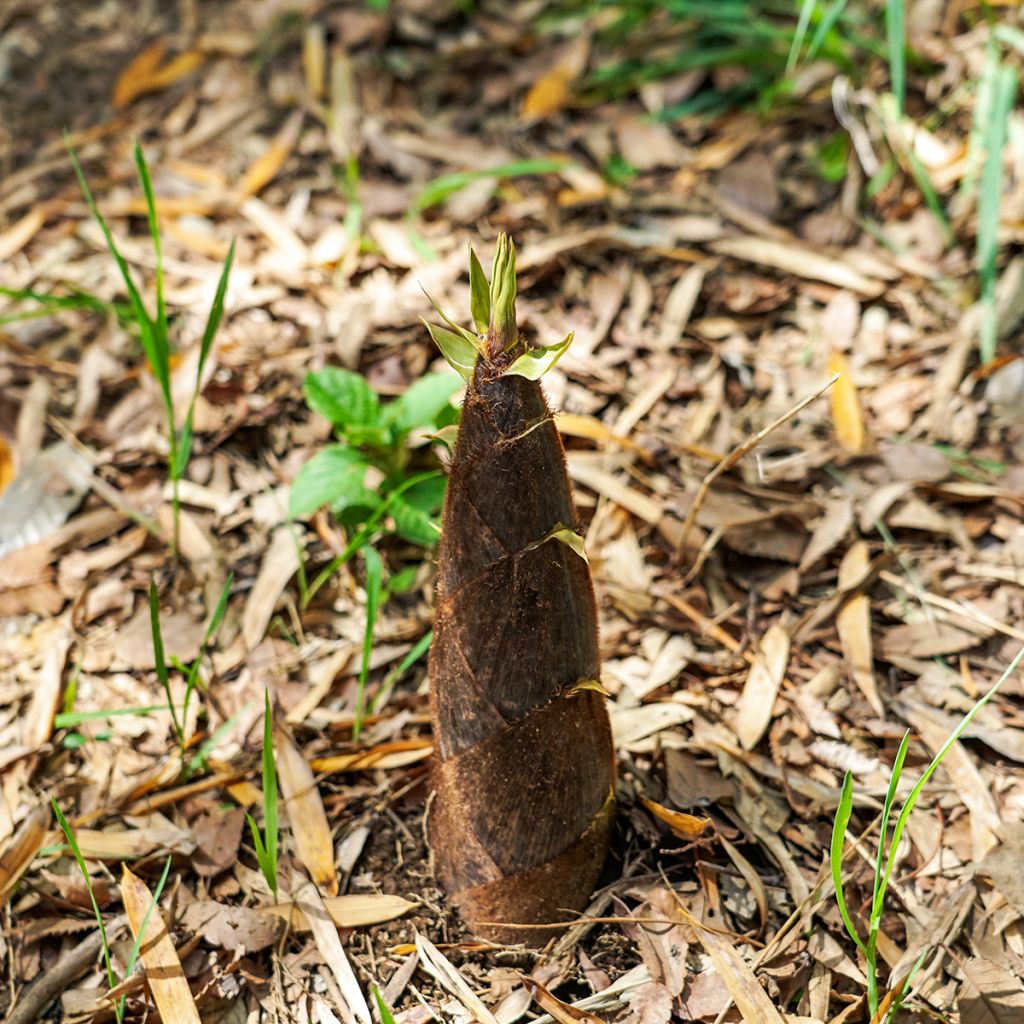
<point>853,623</point>
<point>553,90</point>
<point>794,258</point>
<point>750,998</point>
<point>279,565</point>
<point>231,927</point>
<point>355,911</point>
<point>562,1012</point>
<point>163,969</point>
<point>145,73</point>
<point>268,165</point>
<point>444,973</point>
<point>757,701</point>
<point>325,935</point>
<point>687,827</point>
<point>846,412</point>
<point>306,815</point>
<point>833,526</point>
<point>989,994</point>
<point>18,854</point>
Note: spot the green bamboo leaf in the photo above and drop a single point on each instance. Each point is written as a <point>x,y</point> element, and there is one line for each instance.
<point>342,397</point>
<point>503,295</point>
<point>469,336</point>
<point>571,539</point>
<point>460,354</point>
<point>535,362</point>
<point>374,586</point>
<point>479,294</point>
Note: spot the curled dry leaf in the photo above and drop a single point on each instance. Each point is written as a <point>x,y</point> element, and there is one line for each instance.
<point>18,853</point>
<point>687,827</point>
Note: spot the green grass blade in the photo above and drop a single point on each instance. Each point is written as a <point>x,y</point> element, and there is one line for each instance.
<point>878,893</point>
<point>901,821</point>
<point>270,817</point>
<point>895,32</point>
<point>981,121</point>
<point>160,658</point>
<point>989,201</point>
<point>154,231</point>
<point>800,33</point>
<point>839,826</point>
<point>374,586</point>
<point>147,330</point>
<point>73,719</point>
<point>213,322</point>
<point>897,1003</point>
<point>418,650</point>
<point>386,1015</point>
<point>210,743</point>
<point>192,676</point>
<point>137,945</point>
<point>80,860</point>
<point>438,190</point>
<point>827,23</point>
<point>931,196</point>
<point>364,534</point>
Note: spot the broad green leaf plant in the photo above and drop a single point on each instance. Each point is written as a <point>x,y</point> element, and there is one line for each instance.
<point>373,480</point>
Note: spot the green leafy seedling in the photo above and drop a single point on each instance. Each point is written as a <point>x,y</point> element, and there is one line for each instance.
<point>266,844</point>
<point>374,438</point>
<point>888,845</point>
<point>154,335</point>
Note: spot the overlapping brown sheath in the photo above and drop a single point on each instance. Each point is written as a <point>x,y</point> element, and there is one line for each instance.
<point>524,762</point>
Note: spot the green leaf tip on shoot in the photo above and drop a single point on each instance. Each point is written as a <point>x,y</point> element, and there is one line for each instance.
<point>502,332</point>
<point>493,307</point>
<point>479,294</point>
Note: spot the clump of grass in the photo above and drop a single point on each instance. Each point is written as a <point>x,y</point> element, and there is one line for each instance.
<point>266,843</point>
<point>888,845</point>
<point>153,330</point>
<point>641,41</point>
<point>108,961</point>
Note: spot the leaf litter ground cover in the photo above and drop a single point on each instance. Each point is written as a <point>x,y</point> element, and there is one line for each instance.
<point>768,622</point>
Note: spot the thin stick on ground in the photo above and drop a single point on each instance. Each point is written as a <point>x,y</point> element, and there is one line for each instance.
<point>731,459</point>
